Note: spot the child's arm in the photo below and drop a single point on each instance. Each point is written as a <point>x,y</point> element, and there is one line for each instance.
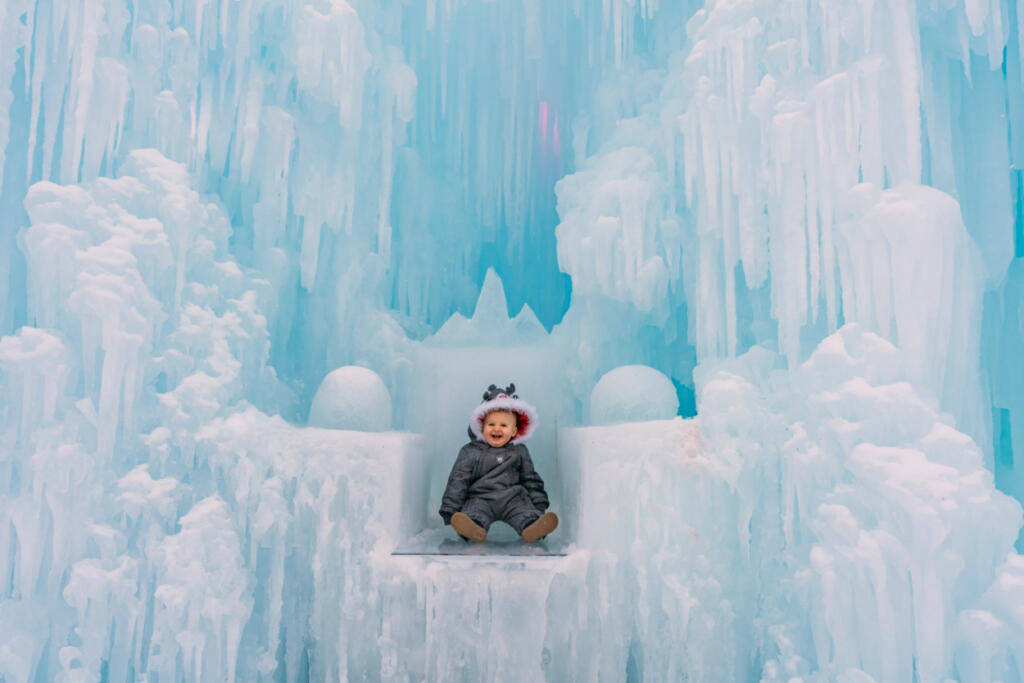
<point>458,484</point>
<point>532,482</point>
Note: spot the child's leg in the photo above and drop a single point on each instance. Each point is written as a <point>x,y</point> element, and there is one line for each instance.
<point>527,520</point>
<point>479,510</point>
<point>473,521</point>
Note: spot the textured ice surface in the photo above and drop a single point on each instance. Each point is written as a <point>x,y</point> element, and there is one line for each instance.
<point>632,393</point>
<point>1003,334</point>
<point>616,224</point>
<point>351,398</point>
<point>873,527</point>
<point>807,213</point>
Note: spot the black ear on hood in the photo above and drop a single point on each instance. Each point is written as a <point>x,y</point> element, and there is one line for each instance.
<point>494,391</point>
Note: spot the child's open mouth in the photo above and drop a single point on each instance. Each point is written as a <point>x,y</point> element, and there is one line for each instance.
<point>496,439</point>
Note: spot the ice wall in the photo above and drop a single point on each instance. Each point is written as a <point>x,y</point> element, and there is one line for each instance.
<point>134,360</point>
<point>794,168</point>
<point>205,206</point>
<point>874,527</point>
<point>655,513</point>
<point>506,91</point>
<point>866,560</point>
<point>308,120</point>
<point>1004,336</point>
<point>155,519</point>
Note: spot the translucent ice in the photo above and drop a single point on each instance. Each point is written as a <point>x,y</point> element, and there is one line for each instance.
<point>490,324</point>
<point>807,214</point>
<point>36,364</point>
<point>201,591</point>
<point>618,235</point>
<point>876,514</point>
<point>910,271</point>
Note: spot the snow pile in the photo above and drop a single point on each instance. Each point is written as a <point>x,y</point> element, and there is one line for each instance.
<point>279,552</point>
<point>990,636</point>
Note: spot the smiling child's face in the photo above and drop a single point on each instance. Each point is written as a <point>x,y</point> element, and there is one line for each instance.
<point>499,427</point>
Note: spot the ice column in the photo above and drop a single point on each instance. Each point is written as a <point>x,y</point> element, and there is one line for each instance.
<point>35,366</point>
<point>910,272</point>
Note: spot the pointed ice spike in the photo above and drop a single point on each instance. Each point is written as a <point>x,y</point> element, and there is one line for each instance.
<point>456,327</point>
<point>491,305</point>
<point>527,325</point>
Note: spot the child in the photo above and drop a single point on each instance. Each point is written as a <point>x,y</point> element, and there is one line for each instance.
<point>493,477</point>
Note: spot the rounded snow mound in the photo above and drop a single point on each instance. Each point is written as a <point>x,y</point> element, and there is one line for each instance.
<point>352,398</point>
<point>633,393</point>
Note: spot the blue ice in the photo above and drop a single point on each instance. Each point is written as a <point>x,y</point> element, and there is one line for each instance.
<point>259,259</point>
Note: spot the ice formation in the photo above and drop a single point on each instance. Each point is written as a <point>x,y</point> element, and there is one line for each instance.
<point>351,398</point>
<point>806,216</point>
<point>632,393</point>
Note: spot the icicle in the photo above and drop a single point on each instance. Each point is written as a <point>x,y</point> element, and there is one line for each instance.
<point>36,364</point>
<point>1020,36</point>
<point>977,15</point>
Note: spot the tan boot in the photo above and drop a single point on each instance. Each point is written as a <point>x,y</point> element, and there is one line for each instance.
<point>544,525</point>
<point>467,528</point>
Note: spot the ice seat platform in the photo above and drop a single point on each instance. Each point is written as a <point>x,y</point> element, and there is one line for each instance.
<point>502,541</point>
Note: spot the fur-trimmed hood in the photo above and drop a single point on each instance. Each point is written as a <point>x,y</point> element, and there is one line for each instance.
<point>504,399</point>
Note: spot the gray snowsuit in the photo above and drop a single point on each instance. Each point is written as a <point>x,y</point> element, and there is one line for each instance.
<point>489,484</point>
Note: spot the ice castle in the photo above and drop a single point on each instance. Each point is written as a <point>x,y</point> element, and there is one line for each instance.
<point>758,263</point>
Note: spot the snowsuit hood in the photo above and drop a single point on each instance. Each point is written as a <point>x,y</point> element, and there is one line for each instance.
<point>504,399</point>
